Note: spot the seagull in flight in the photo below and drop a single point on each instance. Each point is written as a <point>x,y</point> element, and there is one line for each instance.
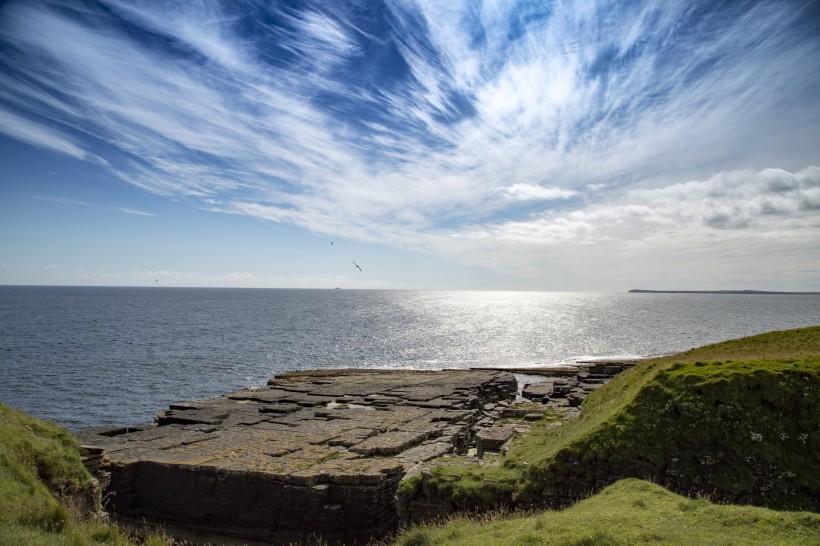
<point>358,266</point>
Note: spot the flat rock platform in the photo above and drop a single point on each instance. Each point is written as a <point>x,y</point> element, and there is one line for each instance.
<point>313,456</point>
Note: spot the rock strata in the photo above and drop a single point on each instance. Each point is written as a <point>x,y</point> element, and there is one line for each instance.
<point>317,456</point>
<point>572,383</point>
<point>313,456</point>
<point>559,389</point>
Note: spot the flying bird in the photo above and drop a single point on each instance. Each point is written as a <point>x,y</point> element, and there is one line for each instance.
<point>358,266</point>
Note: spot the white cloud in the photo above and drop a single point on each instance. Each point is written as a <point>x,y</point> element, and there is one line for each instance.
<point>249,132</point>
<point>771,200</point>
<point>323,39</point>
<point>528,192</point>
<point>62,200</point>
<point>757,224</point>
<point>37,134</point>
<point>202,26</point>
<point>133,212</point>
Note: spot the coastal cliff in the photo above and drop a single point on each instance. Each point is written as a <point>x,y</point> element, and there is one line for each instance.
<point>735,421</point>
<point>320,455</point>
<point>346,456</point>
<point>313,454</point>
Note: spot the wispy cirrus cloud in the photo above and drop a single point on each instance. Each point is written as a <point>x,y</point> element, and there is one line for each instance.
<point>133,212</point>
<point>80,203</point>
<point>63,200</point>
<point>37,134</point>
<point>420,124</point>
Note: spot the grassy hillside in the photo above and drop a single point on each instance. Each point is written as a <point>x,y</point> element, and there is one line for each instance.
<point>40,470</point>
<point>737,420</point>
<point>629,512</point>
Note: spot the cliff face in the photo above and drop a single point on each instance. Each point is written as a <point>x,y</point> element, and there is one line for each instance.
<point>206,503</point>
<point>314,454</point>
<point>735,431</point>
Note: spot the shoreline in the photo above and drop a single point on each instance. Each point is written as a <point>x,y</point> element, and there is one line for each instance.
<point>730,292</point>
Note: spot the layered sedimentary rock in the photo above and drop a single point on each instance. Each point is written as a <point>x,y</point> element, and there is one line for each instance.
<point>574,383</point>
<point>561,389</point>
<point>314,455</point>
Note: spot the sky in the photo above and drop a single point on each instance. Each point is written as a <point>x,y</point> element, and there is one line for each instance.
<point>501,145</point>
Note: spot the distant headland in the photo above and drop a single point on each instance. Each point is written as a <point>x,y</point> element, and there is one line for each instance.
<point>641,291</point>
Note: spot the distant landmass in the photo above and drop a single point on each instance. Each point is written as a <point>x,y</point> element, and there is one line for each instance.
<point>640,291</point>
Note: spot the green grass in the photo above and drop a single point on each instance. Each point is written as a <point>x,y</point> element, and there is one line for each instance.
<point>752,404</point>
<point>603,404</point>
<point>473,487</point>
<point>469,486</point>
<point>36,459</point>
<point>40,468</point>
<point>628,512</point>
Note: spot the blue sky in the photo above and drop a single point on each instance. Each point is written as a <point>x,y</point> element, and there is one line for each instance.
<point>578,145</point>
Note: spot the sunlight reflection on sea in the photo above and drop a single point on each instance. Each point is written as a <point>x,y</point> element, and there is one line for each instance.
<point>93,356</point>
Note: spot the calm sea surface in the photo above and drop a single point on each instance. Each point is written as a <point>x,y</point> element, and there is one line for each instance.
<point>96,356</point>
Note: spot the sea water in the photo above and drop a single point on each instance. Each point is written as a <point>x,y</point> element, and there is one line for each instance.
<point>87,357</point>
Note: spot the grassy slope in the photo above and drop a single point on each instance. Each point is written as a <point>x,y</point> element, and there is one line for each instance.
<point>40,464</point>
<point>36,458</point>
<point>739,416</point>
<point>629,512</point>
<point>604,404</point>
<point>779,376</point>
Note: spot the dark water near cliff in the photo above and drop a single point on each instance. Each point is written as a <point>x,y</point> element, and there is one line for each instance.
<point>92,356</point>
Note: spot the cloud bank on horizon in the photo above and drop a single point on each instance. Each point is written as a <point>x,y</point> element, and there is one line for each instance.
<point>559,142</point>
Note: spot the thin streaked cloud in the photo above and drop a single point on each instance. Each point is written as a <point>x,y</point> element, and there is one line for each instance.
<point>37,134</point>
<point>62,200</point>
<point>133,212</point>
<point>77,202</point>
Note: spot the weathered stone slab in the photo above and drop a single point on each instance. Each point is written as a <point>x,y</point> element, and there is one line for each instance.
<point>312,453</point>
<point>514,412</point>
<point>389,443</point>
<point>352,437</point>
<point>491,439</point>
<point>280,408</point>
<point>264,395</point>
<point>537,391</point>
<point>425,452</point>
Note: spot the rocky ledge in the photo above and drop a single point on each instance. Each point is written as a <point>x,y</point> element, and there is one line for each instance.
<point>315,456</point>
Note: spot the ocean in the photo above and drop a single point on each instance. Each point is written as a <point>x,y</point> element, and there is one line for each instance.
<point>93,356</point>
